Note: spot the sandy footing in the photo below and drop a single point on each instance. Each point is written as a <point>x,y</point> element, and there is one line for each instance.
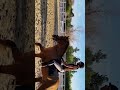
<point>44,28</point>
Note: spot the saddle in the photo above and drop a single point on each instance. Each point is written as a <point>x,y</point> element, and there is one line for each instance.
<point>52,69</point>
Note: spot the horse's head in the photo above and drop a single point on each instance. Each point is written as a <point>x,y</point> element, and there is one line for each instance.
<point>61,38</point>
<point>62,44</point>
<point>55,37</point>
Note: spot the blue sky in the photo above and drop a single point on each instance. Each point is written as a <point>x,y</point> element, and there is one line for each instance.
<point>78,21</point>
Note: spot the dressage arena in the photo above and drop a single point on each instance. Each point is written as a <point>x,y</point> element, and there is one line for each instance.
<point>43,34</point>
<point>23,31</point>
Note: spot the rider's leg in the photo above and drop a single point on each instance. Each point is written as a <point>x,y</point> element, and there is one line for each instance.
<point>58,66</point>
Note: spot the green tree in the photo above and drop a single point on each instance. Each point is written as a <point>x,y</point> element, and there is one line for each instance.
<point>76,49</point>
<point>73,72</point>
<point>76,59</point>
<point>69,54</point>
<point>70,59</point>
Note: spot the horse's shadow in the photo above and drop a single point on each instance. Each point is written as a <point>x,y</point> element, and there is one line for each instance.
<point>23,68</point>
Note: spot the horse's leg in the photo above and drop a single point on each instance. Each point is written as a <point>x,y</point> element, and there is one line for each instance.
<point>41,47</point>
<point>41,55</point>
<point>38,79</point>
<point>12,45</point>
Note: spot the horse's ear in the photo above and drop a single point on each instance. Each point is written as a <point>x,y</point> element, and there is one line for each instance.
<point>54,35</point>
<point>66,37</point>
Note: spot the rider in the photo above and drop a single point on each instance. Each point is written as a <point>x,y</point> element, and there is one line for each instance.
<point>64,66</point>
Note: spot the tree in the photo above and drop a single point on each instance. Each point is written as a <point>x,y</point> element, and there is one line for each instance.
<point>73,72</point>
<point>68,81</point>
<point>88,56</point>
<point>98,56</point>
<point>72,50</point>
<point>70,59</point>
<point>76,49</point>
<point>94,57</point>
<point>93,79</point>
<point>76,59</point>
<point>97,80</point>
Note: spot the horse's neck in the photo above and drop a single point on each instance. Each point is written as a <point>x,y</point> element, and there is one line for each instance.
<point>61,48</point>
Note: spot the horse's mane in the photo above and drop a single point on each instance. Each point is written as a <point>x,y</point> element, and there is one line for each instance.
<point>66,46</point>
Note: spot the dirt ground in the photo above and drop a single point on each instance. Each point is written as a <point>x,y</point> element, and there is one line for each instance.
<point>18,26</point>
<point>44,28</point>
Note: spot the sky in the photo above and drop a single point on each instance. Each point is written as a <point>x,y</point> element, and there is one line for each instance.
<point>78,22</point>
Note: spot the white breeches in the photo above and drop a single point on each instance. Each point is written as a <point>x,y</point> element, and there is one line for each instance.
<point>58,66</point>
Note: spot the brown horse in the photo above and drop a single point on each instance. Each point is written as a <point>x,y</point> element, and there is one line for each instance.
<point>48,54</point>
<point>23,68</point>
<point>54,52</point>
<point>51,83</point>
<point>48,82</point>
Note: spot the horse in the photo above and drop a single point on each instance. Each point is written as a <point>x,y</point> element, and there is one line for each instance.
<point>23,68</point>
<point>48,82</point>
<point>55,52</point>
<point>51,83</point>
<point>50,53</point>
